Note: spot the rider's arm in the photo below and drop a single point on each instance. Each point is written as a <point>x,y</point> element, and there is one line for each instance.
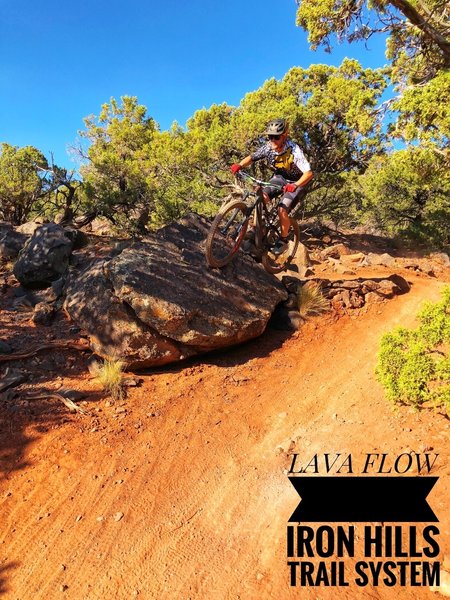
<point>302,162</point>
<point>304,179</point>
<point>246,162</point>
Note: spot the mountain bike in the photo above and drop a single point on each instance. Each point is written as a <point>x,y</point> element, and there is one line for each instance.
<point>229,228</point>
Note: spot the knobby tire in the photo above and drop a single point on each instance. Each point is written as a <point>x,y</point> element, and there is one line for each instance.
<point>226,234</point>
<point>275,264</point>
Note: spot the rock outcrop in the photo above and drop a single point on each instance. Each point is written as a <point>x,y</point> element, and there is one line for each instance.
<point>157,301</point>
<point>11,241</point>
<point>45,256</point>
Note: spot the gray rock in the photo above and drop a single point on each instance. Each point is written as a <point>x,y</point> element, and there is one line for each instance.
<point>11,242</point>
<point>373,298</point>
<point>292,301</point>
<point>78,238</point>
<point>335,251</point>
<point>158,301</point>
<point>284,319</point>
<point>12,378</point>
<point>384,260</point>
<point>58,286</point>
<point>43,313</point>
<point>45,257</point>
<point>442,258</point>
<point>5,348</point>
<point>387,289</point>
<point>29,228</point>
<point>113,329</point>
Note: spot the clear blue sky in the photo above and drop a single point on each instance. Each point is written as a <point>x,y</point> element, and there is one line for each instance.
<point>60,61</point>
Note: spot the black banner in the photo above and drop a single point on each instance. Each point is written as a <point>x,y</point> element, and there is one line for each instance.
<point>363,499</point>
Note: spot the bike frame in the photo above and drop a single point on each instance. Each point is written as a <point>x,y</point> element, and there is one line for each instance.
<point>264,216</point>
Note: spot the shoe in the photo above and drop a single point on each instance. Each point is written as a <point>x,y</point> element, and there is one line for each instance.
<point>280,247</point>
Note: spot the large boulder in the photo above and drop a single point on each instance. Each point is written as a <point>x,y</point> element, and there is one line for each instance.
<point>45,257</point>
<point>158,301</point>
<point>11,241</point>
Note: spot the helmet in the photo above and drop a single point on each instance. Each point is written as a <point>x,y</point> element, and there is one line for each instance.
<point>276,127</point>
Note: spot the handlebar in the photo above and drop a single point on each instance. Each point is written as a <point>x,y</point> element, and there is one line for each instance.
<point>244,175</point>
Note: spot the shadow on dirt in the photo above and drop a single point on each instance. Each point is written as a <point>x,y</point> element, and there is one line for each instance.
<point>270,340</point>
<point>25,417</point>
<point>3,574</point>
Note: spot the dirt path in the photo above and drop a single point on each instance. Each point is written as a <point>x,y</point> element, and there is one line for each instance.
<point>181,491</point>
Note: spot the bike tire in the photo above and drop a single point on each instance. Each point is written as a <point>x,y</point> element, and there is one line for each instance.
<point>226,234</point>
<point>275,264</point>
<point>259,230</point>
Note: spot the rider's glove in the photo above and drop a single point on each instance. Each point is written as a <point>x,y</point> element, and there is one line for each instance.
<point>235,168</point>
<point>289,187</point>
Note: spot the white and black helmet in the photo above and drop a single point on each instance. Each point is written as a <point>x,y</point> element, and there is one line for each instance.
<point>276,127</point>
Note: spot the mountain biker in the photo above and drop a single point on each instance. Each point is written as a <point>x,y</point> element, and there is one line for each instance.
<point>291,171</point>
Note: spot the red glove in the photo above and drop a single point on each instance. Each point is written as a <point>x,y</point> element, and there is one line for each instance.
<point>235,168</point>
<point>289,187</point>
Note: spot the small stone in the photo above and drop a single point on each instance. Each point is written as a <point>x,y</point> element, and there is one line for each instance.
<point>94,367</point>
<point>43,313</point>
<point>74,395</point>
<point>118,516</point>
<point>79,518</point>
<point>63,588</point>
<point>131,381</point>
<point>426,448</point>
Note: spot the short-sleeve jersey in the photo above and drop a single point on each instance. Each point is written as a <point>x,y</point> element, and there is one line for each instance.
<point>291,163</point>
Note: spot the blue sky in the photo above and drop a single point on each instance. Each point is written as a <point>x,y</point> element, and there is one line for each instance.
<point>60,61</point>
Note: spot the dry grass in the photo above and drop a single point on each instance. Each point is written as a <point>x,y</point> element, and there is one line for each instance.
<point>110,375</point>
<point>310,300</point>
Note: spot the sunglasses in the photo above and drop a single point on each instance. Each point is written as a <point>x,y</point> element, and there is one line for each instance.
<point>274,137</point>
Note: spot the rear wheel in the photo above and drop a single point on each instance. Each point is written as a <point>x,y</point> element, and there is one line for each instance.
<point>274,263</point>
<point>227,233</point>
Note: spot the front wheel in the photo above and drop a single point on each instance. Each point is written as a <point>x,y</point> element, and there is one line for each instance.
<point>226,234</point>
<point>274,263</point>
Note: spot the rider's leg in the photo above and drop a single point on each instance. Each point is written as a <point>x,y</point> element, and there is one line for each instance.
<point>284,221</point>
<point>268,193</point>
<point>286,204</point>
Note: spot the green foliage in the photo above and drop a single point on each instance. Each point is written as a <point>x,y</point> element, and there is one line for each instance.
<point>408,193</point>
<point>418,48</point>
<point>414,365</point>
<point>331,114</point>
<point>135,169</point>
<point>118,178</point>
<point>424,114</point>
<point>30,186</point>
<point>418,44</point>
<point>21,181</point>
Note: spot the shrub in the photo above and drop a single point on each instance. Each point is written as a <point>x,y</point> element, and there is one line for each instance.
<point>414,365</point>
<point>110,375</point>
<point>310,299</point>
